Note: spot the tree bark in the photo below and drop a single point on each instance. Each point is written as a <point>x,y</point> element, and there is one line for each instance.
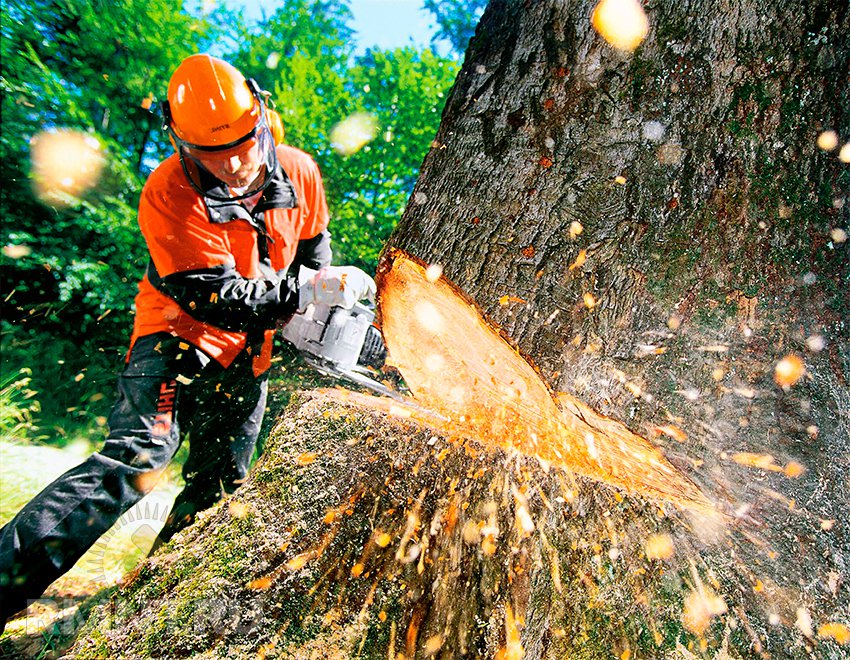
<point>714,255</point>
<point>712,122</point>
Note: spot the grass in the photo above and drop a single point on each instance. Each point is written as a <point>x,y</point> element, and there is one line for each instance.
<point>26,469</point>
<point>18,404</point>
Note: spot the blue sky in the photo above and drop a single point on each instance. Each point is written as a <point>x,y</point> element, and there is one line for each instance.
<point>382,23</point>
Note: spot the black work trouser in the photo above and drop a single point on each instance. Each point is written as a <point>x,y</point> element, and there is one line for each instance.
<point>169,389</point>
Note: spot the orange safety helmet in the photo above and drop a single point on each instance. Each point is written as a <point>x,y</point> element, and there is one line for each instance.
<point>213,113</point>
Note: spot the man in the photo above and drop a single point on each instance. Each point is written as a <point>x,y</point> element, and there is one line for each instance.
<point>237,233</point>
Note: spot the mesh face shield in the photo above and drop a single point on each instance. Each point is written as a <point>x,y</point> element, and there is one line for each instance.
<point>229,172</point>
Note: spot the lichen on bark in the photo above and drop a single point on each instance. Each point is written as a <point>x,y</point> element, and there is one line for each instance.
<point>358,533</point>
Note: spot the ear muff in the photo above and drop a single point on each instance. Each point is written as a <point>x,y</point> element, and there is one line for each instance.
<point>275,125</point>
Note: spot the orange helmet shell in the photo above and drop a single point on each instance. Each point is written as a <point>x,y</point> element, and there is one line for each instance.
<point>210,102</point>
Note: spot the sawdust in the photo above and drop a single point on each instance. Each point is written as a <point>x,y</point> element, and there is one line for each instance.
<point>461,369</point>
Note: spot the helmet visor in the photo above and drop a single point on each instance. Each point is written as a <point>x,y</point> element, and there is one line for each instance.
<point>232,172</point>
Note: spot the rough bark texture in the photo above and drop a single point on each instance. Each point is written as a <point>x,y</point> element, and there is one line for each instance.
<point>362,536</point>
<point>723,224</point>
<point>711,261</point>
<point>712,122</point>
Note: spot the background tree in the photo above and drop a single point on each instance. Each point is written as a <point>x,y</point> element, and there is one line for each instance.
<point>456,21</point>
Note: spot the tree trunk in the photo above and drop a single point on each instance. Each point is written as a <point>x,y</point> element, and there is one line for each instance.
<point>683,188</point>
<point>713,125</point>
<point>656,231</point>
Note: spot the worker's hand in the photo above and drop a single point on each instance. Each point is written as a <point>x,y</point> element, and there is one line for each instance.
<point>336,286</point>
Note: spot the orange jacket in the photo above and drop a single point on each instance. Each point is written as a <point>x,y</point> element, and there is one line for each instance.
<point>216,274</point>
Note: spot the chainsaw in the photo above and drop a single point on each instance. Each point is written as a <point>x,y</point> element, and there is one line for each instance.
<point>341,343</point>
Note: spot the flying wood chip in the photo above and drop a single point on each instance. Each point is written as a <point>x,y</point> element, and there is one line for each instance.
<point>467,381</point>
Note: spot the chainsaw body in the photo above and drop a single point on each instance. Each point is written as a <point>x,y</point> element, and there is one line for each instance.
<point>342,343</point>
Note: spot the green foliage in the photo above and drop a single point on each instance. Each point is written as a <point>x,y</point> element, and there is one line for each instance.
<point>456,20</point>
<point>18,405</point>
<point>98,61</point>
<point>301,54</point>
<point>74,379</point>
<point>405,91</point>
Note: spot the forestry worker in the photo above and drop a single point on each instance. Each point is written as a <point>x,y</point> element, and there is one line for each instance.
<point>237,233</point>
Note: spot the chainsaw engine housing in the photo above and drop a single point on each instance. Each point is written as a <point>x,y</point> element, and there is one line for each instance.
<point>339,342</point>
